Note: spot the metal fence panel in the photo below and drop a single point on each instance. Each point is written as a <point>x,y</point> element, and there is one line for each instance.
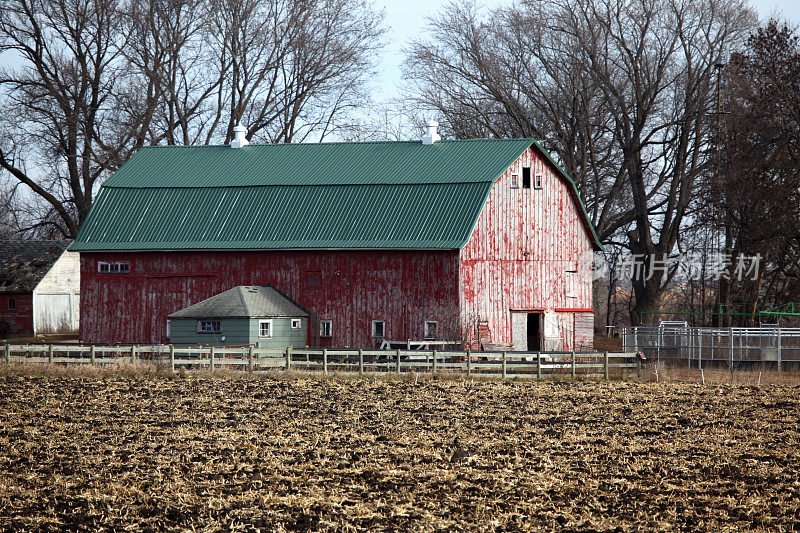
<point>698,346</point>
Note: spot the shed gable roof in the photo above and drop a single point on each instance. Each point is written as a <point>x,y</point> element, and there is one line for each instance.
<point>243,302</point>
<point>23,264</point>
<point>374,195</point>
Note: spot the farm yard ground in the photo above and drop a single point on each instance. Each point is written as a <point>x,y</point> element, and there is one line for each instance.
<point>159,453</point>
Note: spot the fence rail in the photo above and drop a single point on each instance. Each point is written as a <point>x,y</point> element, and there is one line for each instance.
<point>252,359</point>
<point>727,346</point>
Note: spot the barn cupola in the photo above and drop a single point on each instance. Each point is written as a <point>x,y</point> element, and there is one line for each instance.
<point>239,137</point>
<point>432,136</point>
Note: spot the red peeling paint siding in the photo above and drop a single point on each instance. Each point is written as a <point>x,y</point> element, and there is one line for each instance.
<point>520,253</point>
<point>19,319</point>
<point>402,288</point>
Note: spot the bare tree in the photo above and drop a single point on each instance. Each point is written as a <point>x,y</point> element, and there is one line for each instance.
<point>291,70</point>
<point>759,192</point>
<point>620,91</point>
<point>98,79</point>
<point>68,50</point>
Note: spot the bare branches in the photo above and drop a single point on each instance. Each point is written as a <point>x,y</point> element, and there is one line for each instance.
<point>98,79</point>
<point>619,90</point>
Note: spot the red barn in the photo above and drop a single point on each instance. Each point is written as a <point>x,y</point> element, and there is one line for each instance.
<point>483,241</point>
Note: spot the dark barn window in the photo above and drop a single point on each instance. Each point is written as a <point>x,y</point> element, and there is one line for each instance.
<point>314,279</point>
<point>526,177</point>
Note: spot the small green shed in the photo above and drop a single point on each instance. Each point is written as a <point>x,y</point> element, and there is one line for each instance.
<point>244,315</point>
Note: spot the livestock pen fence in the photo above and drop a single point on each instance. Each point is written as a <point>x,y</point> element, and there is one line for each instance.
<point>696,346</point>
<point>252,359</point>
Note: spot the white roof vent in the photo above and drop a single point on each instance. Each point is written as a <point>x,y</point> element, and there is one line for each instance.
<point>239,137</point>
<point>432,136</point>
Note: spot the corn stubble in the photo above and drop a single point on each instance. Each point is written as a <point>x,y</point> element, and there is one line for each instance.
<point>90,453</point>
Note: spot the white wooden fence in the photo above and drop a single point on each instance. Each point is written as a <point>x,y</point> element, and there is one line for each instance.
<point>501,364</point>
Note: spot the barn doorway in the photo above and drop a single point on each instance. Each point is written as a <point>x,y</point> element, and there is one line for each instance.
<point>534,332</point>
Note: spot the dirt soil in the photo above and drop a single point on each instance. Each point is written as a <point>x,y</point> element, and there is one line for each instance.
<point>93,453</point>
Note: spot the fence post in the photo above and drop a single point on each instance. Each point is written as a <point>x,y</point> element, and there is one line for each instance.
<point>779,349</point>
<point>172,357</point>
<point>538,365</point>
<point>434,362</point>
<point>288,358</point>
<point>50,354</point>
<point>469,362</point>
<point>133,354</point>
<point>572,354</point>
<point>635,340</point>
<point>504,365</point>
<point>700,350</point>
<point>211,358</point>
<point>360,362</point>
<point>730,341</point>
<point>8,353</point>
<point>605,364</point>
<point>324,360</point>
<point>91,355</point>
<point>659,337</point>
<point>397,353</point>
<point>250,359</point>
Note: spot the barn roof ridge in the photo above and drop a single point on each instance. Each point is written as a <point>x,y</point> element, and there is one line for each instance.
<point>406,141</point>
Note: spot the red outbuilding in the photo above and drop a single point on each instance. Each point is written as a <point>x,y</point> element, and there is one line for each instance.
<point>484,242</point>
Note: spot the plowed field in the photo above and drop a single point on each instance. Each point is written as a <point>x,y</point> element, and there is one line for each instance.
<point>156,453</point>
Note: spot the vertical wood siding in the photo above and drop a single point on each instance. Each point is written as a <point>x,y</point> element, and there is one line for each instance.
<point>520,253</point>
<point>351,288</point>
<point>56,299</point>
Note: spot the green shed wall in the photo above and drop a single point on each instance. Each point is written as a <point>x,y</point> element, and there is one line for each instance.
<point>239,331</point>
<point>282,333</point>
<point>235,330</point>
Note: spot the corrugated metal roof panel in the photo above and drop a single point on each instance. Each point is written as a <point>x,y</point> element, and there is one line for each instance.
<point>356,216</point>
<point>464,161</point>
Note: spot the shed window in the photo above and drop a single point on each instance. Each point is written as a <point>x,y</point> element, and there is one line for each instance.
<point>169,329</point>
<point>265,328</point>
<point>209,326</point>
<point>515,181</point>
<point>537,181</point>
<point>297,323</point>
<point>378,329</point>
<point>431,329</point>
<point>113,268</point>
<point>526,177</point>
<point>325,328</point>
<point>12,303</point>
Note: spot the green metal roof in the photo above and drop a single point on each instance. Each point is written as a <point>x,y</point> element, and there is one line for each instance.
<point>356,216</point>
<point>331,195</point>
<point>408,162</point>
